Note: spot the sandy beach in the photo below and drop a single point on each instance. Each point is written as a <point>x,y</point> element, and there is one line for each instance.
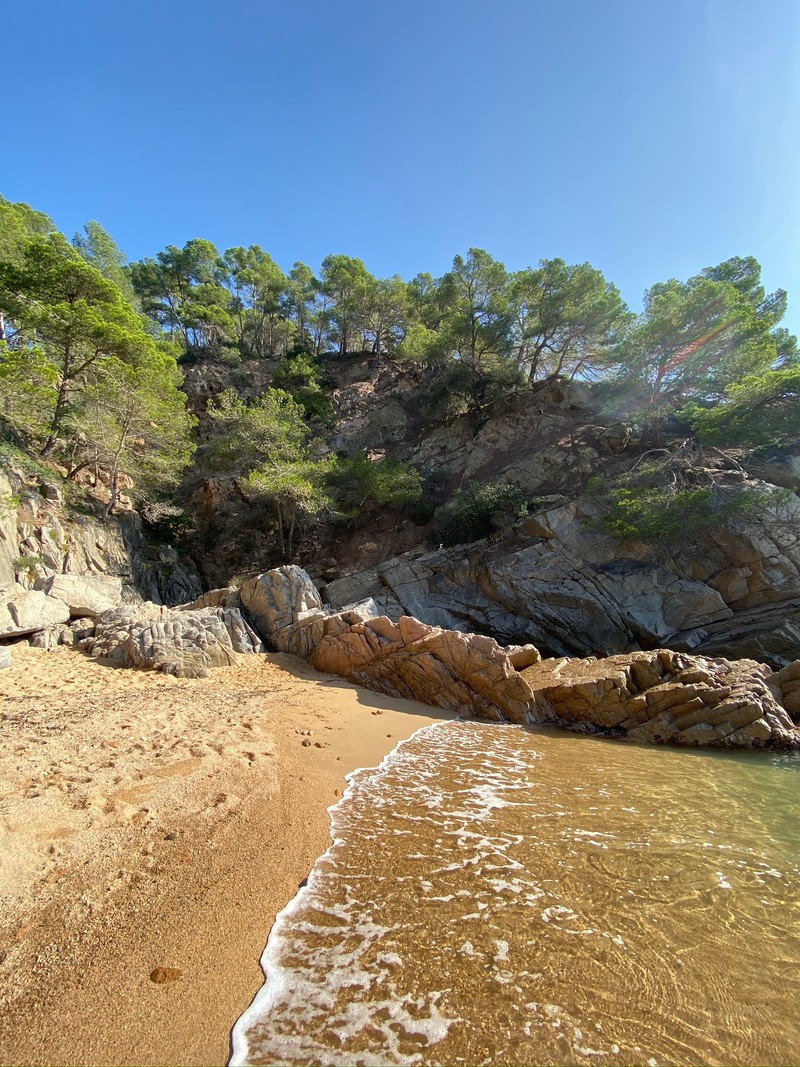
<point>150,829</point>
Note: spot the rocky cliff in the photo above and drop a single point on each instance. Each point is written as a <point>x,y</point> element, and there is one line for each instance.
<point>41,538</point>
<point>554,579</point>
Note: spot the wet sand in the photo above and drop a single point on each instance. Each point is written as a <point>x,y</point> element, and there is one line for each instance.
<point>150,829</point>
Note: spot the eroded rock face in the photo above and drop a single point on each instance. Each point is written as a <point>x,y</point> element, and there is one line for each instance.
<point>24,611</point>
<point>465,673</point>
<point>665,696</point>
<point>661,696</point>
<point>39,539</point>
<point>184,643</point>
<point>276,601</point>
<point>86,596</point>
<point>572,590</point>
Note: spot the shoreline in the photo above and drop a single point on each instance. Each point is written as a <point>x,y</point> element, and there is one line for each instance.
<point>151,828</point>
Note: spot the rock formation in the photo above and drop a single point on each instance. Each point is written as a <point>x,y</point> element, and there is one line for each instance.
<point>571,590</point>
<point>660,695</point>
<point>40,539</point>
<point>185,642</point>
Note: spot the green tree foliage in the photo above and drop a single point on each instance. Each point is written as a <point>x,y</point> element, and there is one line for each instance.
<point>674,514</point>
<point>265,443</point>
<point>302,299</point>
<point>761,410</point>
<point>19,222</point>
<point>457,388</point>
<point>100,249</point>
<point>359,485</point>
<point>696,338</point>
<point>345,281</point>
<point>181,290</point>
<point>298,374</point>
<point>566,320</point>
<point>476,315</point>
<point>80,376</point>
<point>63,309</point>
<point>477,512</point>
<point>384,313</point>
<point>257,286</point>
<point>132,420</point>
<point>670,496</point>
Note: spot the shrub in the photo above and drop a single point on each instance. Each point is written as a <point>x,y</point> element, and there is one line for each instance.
<point>671,515</point>
<point>476,512</point>
<point>358,483</point>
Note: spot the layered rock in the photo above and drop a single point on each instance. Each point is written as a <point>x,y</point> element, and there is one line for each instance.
<point>86,596</point>
<point>665,696</point>
<point>465,673</point>
<point>559,583</point>
<point>40,539</point>
<point>24,611</point>
<point>661,695</point>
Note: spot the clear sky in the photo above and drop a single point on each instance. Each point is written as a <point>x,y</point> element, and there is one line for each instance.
<point>650,137</point>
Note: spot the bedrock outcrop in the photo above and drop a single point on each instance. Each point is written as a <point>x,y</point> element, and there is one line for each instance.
<point>659,695</point>
<point>41,539</point>
<point>186,642</point>
<point>557,582</point>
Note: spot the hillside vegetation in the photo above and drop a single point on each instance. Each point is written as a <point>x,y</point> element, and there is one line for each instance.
<point>97,357</point>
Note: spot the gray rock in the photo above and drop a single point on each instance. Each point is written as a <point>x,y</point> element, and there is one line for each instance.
<point>24,611</point>
<point>276,600</point>
<point>5,656</point>
<point>86,595</point>
<point>184,643</point>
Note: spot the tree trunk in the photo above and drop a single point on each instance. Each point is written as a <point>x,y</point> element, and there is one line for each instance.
<point>58,414</point>
<point>281,540</point>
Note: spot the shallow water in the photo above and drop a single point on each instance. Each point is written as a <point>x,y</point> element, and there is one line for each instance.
<point>506,896</point>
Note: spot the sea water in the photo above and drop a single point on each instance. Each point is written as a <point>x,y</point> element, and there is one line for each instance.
<point>498,895</point>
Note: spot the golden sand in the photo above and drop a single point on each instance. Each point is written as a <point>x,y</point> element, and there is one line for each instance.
<point>150,829</point>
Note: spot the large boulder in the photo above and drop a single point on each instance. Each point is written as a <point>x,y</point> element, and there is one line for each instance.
<point>183,643</point>
<point>24,611</point>
<point>86,595</point>
<point>276,601</point>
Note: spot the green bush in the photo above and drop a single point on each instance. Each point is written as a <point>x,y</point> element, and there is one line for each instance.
<point>671,515</point>
<point>358,484</point>
<point>298,374</point>
<point>478,511</point>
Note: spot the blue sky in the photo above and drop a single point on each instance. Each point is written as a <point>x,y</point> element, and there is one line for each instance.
<point>649,137</point>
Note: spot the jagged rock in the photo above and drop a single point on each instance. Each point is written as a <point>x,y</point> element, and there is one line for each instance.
<point>665,696</point>
<point>661,696</point>
<point>24,611</point>
<point>570,589</point>
<point>276,601</point>
<point>465,673</point>
<point>85,595</point>
<point>184,643</point>
<point>788,682</point>
<point>51,541</point>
